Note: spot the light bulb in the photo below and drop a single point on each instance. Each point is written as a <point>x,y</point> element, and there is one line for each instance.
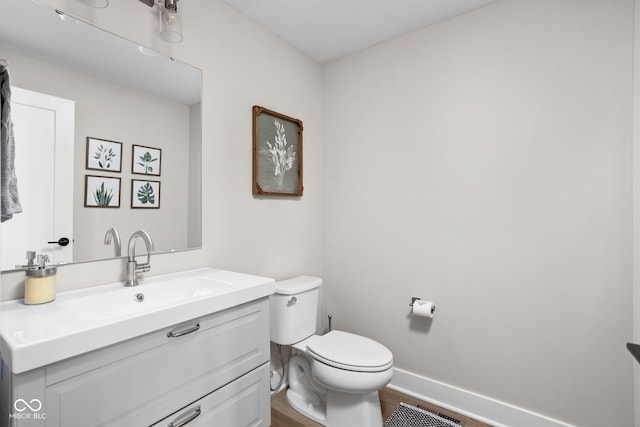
<point>170,21</point>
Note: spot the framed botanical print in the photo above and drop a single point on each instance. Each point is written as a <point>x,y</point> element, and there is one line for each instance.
<point>104,155</point>
<point>101,192</point>
<point>146,160</point>
<point>145,194</point>
<point>277,154</point>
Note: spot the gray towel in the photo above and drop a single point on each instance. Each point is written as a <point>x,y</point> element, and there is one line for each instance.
<point>9,200</point>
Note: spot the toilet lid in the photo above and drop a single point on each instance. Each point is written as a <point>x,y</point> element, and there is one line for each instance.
<point>351,352</point>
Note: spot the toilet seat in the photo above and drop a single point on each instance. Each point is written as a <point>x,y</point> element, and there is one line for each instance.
<point>350,352</point>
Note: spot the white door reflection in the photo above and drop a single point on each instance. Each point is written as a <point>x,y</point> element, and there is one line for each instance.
<point>44,137</point>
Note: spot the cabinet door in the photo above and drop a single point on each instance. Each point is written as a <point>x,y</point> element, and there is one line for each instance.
<point>243,403</point>
<point>143,388</point>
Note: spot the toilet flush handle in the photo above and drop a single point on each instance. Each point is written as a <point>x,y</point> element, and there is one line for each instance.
<point>292,301</point>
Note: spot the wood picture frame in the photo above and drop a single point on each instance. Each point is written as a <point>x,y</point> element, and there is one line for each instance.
<point>101,191</point>
<point>145,194</point>
<point>146,160</point>
<point>103,155</point>
<point>277,154</point>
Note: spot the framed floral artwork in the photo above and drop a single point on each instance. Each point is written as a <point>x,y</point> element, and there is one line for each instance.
<point>104,155</point>
<point>146,160</point>
<point>101,192</point>
<point>277,154</point>
<point>145,194</point>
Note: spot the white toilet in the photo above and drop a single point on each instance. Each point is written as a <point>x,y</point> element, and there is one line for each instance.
<point>334,378</point>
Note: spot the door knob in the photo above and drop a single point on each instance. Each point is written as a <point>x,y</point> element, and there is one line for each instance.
<point>63,241</point>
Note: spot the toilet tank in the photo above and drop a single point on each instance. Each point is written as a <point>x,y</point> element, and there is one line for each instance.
<point>294,309</point>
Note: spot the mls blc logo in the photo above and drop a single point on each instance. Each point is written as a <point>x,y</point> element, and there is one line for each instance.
<point>21,405</point>
<point>28,410</point>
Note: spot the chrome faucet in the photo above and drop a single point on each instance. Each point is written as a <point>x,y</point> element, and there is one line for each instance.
<point>112,234</point>
<point>133,268</point>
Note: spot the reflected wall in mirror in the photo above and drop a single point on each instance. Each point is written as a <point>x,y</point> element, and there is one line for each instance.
<point>121,92</point>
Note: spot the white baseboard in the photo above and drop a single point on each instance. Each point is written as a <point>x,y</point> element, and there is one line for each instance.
<point>467,403</point>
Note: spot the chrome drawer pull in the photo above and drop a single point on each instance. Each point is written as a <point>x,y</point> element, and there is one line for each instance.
<point>172,334</point>
<point>189,417</point>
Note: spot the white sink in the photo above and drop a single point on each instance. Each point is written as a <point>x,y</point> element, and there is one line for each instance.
<point>32,336</point>
<point>124,302</point>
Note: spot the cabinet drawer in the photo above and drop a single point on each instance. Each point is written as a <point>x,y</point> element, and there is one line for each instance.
<point>243,403</point>
<point>156,374</point>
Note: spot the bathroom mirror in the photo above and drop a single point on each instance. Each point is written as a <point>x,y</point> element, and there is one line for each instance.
<point>123,96</point>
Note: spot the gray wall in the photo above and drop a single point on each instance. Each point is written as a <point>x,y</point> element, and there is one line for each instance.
<point>636,202</point>
<point>485,164</point>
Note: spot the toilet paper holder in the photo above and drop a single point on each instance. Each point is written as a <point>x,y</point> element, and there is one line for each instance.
<point>414,299</point>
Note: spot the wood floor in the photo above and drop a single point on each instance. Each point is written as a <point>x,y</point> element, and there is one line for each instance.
<point>283,415</point>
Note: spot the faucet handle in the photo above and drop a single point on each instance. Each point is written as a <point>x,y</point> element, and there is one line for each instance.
<point>42,260</point>
<point>31,257</point>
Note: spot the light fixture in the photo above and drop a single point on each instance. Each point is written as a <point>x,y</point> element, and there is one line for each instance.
<point>170,21</point>
<point>97,3</point>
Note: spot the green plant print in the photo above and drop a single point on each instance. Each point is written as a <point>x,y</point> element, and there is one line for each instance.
<point>103,196</point>
<point>104,156</point>
<point>146,160</point>
<point>146,194</point>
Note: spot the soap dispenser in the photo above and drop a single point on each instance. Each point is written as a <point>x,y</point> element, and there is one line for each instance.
<point>40,283</point>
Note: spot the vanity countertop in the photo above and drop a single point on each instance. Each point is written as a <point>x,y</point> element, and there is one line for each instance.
<point>32,336</point>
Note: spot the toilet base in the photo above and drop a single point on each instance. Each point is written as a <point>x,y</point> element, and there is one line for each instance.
<point>340,410</point>
<point>331,398</point>
<point>313,407</point>
<point>353,410</point>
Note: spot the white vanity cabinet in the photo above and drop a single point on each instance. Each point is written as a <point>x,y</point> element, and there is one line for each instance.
<point>210,370</point>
